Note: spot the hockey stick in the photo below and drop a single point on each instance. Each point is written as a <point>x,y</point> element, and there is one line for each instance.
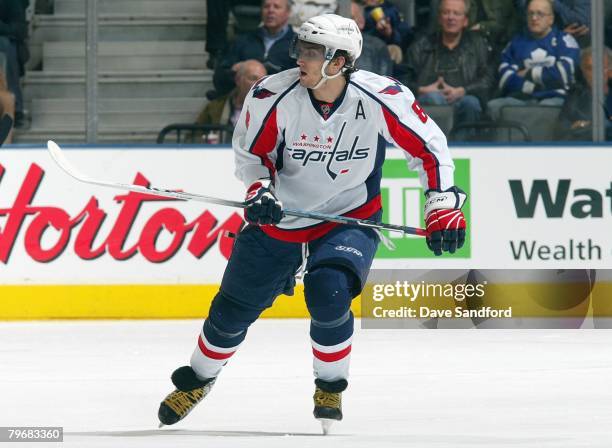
<point>64,164</point>
<point>6,124</point>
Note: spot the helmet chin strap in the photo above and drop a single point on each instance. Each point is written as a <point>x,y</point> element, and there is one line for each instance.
<point>325,76</point>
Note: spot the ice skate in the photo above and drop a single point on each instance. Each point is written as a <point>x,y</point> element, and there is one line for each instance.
<point>328,402</point>
<point>190,390</point>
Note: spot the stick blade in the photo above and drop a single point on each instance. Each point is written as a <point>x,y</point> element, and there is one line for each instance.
<point>58,156</point>
<point>56,153</point>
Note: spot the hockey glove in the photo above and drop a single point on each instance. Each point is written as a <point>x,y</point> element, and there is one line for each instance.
<point>262,206</point>
<point>445,221</point>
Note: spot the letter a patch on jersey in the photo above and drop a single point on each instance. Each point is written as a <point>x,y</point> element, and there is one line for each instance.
<point>360,111</point>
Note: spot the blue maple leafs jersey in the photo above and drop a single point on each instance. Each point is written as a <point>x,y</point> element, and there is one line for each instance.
<point>328,157</point>
<point>550,62</point>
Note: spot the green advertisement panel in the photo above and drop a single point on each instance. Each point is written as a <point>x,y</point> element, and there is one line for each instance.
<point>403,201</point>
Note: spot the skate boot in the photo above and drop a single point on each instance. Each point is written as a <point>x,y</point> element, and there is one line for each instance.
<point>328,402</point>
<point>190,390</point>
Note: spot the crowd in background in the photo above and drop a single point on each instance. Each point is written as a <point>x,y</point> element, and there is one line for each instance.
<point>13,56</point>
<point>480,58</point>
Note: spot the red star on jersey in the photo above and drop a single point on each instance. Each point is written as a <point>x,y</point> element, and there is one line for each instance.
<point>303,136</point>
<point>329,139</point>
<point>317,138</point>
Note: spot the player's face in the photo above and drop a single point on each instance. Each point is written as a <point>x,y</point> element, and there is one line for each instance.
<point>540,18</point>
<point>310,59</point>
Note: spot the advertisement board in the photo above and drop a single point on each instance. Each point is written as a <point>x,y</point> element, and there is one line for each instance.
<point>69,249</point>
<point>528,207</point>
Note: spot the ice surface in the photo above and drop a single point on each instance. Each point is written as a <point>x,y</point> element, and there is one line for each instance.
<point>103,381</point>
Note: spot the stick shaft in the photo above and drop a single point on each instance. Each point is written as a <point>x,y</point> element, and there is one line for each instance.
<point>58,156</point>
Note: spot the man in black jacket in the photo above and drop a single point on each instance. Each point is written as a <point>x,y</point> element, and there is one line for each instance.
<point>576,117</point>
<point>452,66</point>
<point>269,44</point>
<point>13,32</point>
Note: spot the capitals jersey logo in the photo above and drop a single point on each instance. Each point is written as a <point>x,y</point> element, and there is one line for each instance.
<point>262,93</point>
<point>393,89</point>
<point>327,154</point>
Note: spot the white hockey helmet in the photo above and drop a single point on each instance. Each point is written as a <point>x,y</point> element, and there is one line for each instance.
<point>335,33</point>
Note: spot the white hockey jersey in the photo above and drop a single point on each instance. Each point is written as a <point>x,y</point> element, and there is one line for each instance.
<point>328,157</point>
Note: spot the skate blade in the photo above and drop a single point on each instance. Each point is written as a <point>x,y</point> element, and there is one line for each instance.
<point>326,424</point>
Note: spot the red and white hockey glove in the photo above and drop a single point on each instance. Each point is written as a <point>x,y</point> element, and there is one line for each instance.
<point>445,221</point>
<point>263,207</point>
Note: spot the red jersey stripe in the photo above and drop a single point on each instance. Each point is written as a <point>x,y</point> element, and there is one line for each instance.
<point>414,146</point>
<point>265,142</point>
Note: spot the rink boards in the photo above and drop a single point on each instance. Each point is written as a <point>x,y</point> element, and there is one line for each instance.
<point>71,250</point>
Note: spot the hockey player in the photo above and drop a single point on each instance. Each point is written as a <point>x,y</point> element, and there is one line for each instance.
<point>314,138</point>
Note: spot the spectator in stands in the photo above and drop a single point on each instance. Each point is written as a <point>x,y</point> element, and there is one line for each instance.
<point>495,19</point>
<point>7,99</point>
<point>13,32</point>
<point>302,10</point>
<point>375,56</point>
<point>572,16</point>
<point>269,44</point>
<point>225,110</point>
<point>451,66</point>
<point>217,15</point>
<point>575,119</point>
<point>383,19</point>
<point>537,66</point>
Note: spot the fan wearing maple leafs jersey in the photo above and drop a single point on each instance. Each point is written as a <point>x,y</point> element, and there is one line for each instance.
<point>537,67</point>
<point>314,138</point>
